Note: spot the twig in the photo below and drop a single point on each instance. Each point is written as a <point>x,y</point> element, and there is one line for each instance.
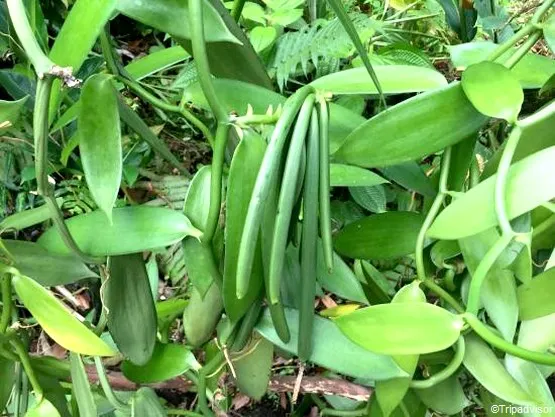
<point>310,385</point>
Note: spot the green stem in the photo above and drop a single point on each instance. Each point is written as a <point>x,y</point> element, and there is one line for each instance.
<point>237,9</point>
<point>501,181</point>
<point>6,288</point>
<point>105,384</point>
<point>481,272</point>
<point>446,372</point>
<point>509,43</point>
<point>523,49</point>
<point>201,61</point>
<point>500,343</point>
<point>26,363</point>
<point>444,295</point>
<point>434,210</point>
<point>206,370</point>
<point>18,15</point>
<point>40,132</point>
<point>161,104</point>
<point>543,9</point>
<point>218,159</point>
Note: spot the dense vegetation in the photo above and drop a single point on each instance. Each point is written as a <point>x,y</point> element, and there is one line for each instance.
<point>283,207</point>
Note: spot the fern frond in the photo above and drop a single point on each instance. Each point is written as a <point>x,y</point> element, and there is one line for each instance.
<point>308,46</point>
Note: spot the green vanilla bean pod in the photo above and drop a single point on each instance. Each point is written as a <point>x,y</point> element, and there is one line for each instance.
<point>287,199</point>
<point>309,240</point>
<point>324,188</point>
<point>266,176</point>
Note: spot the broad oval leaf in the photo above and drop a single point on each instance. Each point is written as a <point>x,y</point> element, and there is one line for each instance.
<point>533,70</point>
<point>100,140</point>
<point>397,329</point>
<point>493,90</point>
<point>168,361</point>
<point>199,259</point>
<point>132,319</point>
<point>43,409</point>
<point>410,176</point>
<point>133,229</point>
<point>202,315</point>
<point>341,280</point>
<point>81,387</point>
<point>380,236</point>
<point>530,183</point>
<point>172,17</point>
<point>447,397</point>
<point>57,321</point>
<point>331,349</point>
<point>394,79</point>
<point>370,198</point>
<point>262,37</point>
<point>48,269</point>
<point>10,111</point>
<point>535,298</point>
<point>549,32</point>
<point>145,403</point>
<point>412,129</point>
<point>352,176</point>
<point>482,363</point>
<point>7,370</point>
<point>242,177</point>
<point>253,367</point>
<point>498,292</point>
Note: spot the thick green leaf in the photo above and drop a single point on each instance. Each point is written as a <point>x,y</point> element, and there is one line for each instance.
<point>412,129</point>
<point>462,155</point>
<point>197,199</point>
<point>7,370</point>
<point>535,298</point>
<point>202,314</point>
<point>156,61</point>
<point>46,268</point>
<point>390,393</point>
<point>242,177</point>
<point>172,17</point>
<point>253,367</point>
<point>397,329</point>
<point>145,403</point>
<point>199,259</point>
<point>130,307</point>
<point>371,198</point>
<point>498,292</point>
<point>444,250</point>
<point>77,37</point>
<point>133,229</point>
<point>81,387</point>
<point>43,409</point>
<point>10,111</point>
<point>331,349</point>
<point>532,70</point>
<point>100,140</point>
<point>341,280</point>
<point>530,183</point>
<point>538,334</point>
<point>168,361</point>
<point>529,376</point>
<point>394,79</point>
<point>493,90</point>
<point>380,236</point>
<point>57,321</point>
<point>549,32</point>
<point>410,176</point>
<point>352,176</point>
<point>237,61</point>
<point>482,363</point>
<point>447,397</point>
<point>27,218</point>
<point>237,95</point>
<point>535,137</point>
